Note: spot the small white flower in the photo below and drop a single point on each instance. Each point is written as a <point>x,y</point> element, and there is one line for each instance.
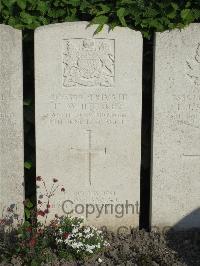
<point>87,230</point>
<point>59,241</point>
<point>90,251</point>
<point>106,244</point>
<point>92,247</point>
<point>98,245</point>
<point>100,260</point>
<point>75,230</point>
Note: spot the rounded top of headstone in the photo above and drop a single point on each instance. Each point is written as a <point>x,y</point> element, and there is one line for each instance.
<point>8,27</point>
<point>85,25</point>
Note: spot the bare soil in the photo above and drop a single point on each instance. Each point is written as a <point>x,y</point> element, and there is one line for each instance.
<point>143,248</point>
<point>140,248</point>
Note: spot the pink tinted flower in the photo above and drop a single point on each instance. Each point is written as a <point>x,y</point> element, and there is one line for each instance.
<point>32,242</point>
<point>2,221</point>
<point>65,235</point>
<point>41,213</point>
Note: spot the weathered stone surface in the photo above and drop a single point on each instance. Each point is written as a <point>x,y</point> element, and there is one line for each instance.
<point>88,119</point>
<point>176,130</point>
<point>11,121</point>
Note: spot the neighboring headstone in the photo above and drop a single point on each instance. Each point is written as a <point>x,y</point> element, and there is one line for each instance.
<point>11,122</point>
<point>176,130</point>
<point>88,120</point>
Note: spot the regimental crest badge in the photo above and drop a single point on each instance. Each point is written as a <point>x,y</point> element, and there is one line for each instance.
<point>88,62</point>
<point>193,68</point>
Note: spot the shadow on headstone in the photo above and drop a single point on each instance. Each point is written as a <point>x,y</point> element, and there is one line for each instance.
<point>184,238</point>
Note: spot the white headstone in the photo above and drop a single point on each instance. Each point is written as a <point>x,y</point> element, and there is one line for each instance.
<point>88,120</point>
<point>176,130</point>
<point>11,122</point>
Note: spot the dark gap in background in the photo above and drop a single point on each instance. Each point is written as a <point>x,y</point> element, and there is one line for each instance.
<point>147,90</point>
<point>29,115</point>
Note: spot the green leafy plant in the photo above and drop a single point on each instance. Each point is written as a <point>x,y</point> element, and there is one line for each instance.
<point>143,15</point>
<point>64,238</point>
<point>33,245</point>
<point>35,241</point>
<point>28,209</point>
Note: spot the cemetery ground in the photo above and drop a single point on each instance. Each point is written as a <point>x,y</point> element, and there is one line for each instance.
<point>136,248</point>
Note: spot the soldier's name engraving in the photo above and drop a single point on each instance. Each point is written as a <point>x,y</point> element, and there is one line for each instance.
<point>188,109</point>
<point>87,109</point>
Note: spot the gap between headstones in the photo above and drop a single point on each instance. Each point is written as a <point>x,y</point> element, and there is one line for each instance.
<point>146,133</point>
<point>29,114</point>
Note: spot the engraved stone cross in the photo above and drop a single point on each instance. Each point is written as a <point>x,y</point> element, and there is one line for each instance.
<point>90,151</point>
